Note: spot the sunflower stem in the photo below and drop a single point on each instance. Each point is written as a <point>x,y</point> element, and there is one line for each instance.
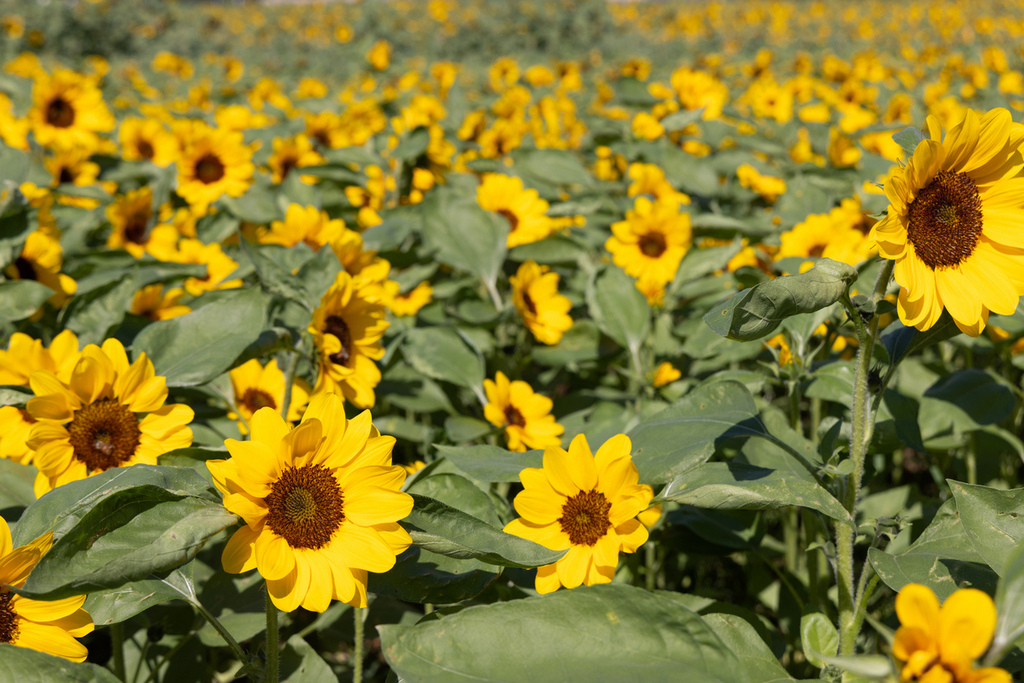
<point>117,645</point>
<point>272,641</point>
<point>492,289</point>
<point>219,628</point>
<point>289,379</point>
<point>357,654</point>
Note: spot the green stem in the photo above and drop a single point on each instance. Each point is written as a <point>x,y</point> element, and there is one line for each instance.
<point>232,643</point>
<point>272,641</point>
<point>117,643</point>
<point>357,655</point>
<point>289,380</point>
<point>864,592</point>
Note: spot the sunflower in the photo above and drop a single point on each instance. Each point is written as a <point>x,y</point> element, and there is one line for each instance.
<point>407,303</point>
<point>321,505</point>
<point>129,217</point>
<point>586,504</point>
<point>940,643</point>
<point>41,259</point>
<point>524,210</point>
<point>218,264</point>
<point>68,110</point>
<point>213,163</point>
<point>347,328</point>
<point>835,235</point>
<point>147,139</point>
<point>542,308</point>
<point>257,386</point>
<point>291,153</point>
<point>304,224</point>
<point>666,373</point>
<point>952,225</point>
<point>652,241</point>
<point>110,414</point>
<point>47,626</point>
<point>72,166</point>
<point>25,355</point>
<point>526,416</point>
<point>154,303</point>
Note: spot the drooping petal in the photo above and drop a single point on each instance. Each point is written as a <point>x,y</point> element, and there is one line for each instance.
<point>966,624</point>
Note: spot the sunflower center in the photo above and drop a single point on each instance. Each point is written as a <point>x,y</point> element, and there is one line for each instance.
<point>8,619</point>
<point>945,220</point>
<point>287,164</point>
<point>512,219</point>
<point>104,434</point>
<point>25,269</point>
<point>305,506</point>
<point>585,517</point>
<point>530,306</point>
<point>254,399</point>
<point>209,169</point>
<point>338,327</point>
<point>135,227</point>
<point>653,244</point>
<point>60,113</point>
<point>65,176</point>
<point>145,149</point>
<point>514,417</point>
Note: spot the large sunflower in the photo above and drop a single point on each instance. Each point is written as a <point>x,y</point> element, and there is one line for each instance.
<point>347,328</point>
<point>954,220</point>
<point>542,308</point>
<point>586,504</point>
<point>321,505</point>
<point>524,210</point>
<point>68,111</point>
<point>49,626</point>
<point>213,163</point>
<point>110,414</point>
<point>525,415</point>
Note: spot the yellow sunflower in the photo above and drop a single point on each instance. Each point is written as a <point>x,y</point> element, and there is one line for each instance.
<point>129,217</point>
<point>147,139</point>
<point>666,373</point>
<point>68,110</point>
<point>291,153</point>
<point>407,303</point>
<point>213,163</point>
<point>25,355</point>
<point>321,505</point>
<point>363,265</point>
<point>304,224</point>
<point>257,386</point>
<point>41,259</point>
<point>652,241</point>
<point>542,308</point>
<point>72,166</point>
<point>47,626</point>
<point>154,303</point>
<point>524,210</point>
<point>110,414</point>
<point>526,416</point>
<point>940,643</point>
<point>218,264</point>
<point>347,328</point>
<point>953,223</point>
<point>584,503</point>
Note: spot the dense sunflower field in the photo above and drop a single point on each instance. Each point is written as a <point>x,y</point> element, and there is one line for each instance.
<point>538,341</point>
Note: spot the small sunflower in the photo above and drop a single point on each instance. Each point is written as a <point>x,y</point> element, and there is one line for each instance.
<point>68,111</point>
<point>149,140</point>
<point>524,210</point>
<point>218,264</point>
<point>25,355</point>
<point>584,503</point>
<point>363,265</point>
<point>41,259</point>
<point>110,414</point>
<point>304,224</point>
<point>666,373</point>
<point>292,153</point>
<point>651,242</point>
<point>525,415</point>
<point>129,217</point>
<point>321,504</point>
<point>257,386</point>
<point>952,226</point>
<point>47,626</point>
<point>407,303</point>
<point>347,328</point>
<point>535,295</point>
<point>154,303</point>
<point>213,163</point>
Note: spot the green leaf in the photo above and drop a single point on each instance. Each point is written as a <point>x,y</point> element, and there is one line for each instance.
<point>17,484</point>
<point>29,666</point>
<point>591,633</point>
<point>446,531</point>
<point>194,348</point>
<point>300,663</point>
<point>992,520</point>
<point>255,206</point>
<point>581,343</point>
<point>758,662</point>
<point>276,280</point>
<point>554,166</point>
<point>454,490</point>
<point>461,429</point>
<point>421,576</point>
<point>439,353</point>
<point>736,486</point>
<point>412,145</point>
<point>755,313</point>
<point>618,308</point>
<point>978,395</point>
<point>116,605</point>
<point>14,230</point>
<point>119,526</point>
<point>908,139</point>
<point>681,119</point>
<point>464,235</point>
<point>1009,605</point>
<point>21,298</point>
<point>92,316</point>
<point>490,463</point>
<point>818,637</point>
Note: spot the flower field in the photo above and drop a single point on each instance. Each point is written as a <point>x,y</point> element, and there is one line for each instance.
<point>537,341</point>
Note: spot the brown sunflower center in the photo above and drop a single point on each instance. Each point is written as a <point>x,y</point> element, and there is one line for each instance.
<point>60,113</point>
<point>254,399</point>
<point>585,517</point>
<point>104,434</point>
<point>305,506</point>
<point>514,417</point>
<point>512,219</point>
<point>25,269</point>
<point>653,244</point>
<point>337,326</point>
<point>287,164</point>
<point>209,169</point>
<point>145,149</point>
<point>135,226</point>
<point>65,176</point>
<point>8,619</point>
<point>530,305</point>
<point>945,220</point>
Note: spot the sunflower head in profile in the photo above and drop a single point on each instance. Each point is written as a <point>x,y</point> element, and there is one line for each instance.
<point>68,110</point>
<point>586,504</point>
<point>525,415</point>
<point>409,302</point>
<point>524,210</point>
<point>213,163</point>
<point>304,224</point>
<point>320,502</point>
<point>347,328</point>
<point>953,223</point>
<point>108,414</point>
<point>262,386</point>
<point>535,295</point>
<point>652,241</point>
<point>46,626</point>
<point>41,259</point>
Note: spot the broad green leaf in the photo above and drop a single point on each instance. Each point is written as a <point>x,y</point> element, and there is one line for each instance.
<point>421,576</point>
<point>591,633</point>
<point>904,411</point>
<point>116,605</point>
<point>992,520</point>
<point>681,119</point>
<point>736,486</point>
<point>1009,605</point>
<point>554,166</point>
<point>618,308</point>
<point>731,529</point>
<point>759,664</point>
<point>16,484</point>
<point>490,463</point>
<point>446,531</point>
<point>908,139</point>
<point>255,206</point>
<point>454,490</point>
<point>238,601</point>
<point>978,395</point>
<point>464,235</point>
<point>461,428</point>
<point>439,353</point>
<point>901,341</point>
<point>819,637</point>
<point>276,280</point>
<point>20,298</point>
<point>14,230</point>
<point>195,348</point>
<point>29,666</point>
<point>92,316</point>
<point>412,145</point>
<point>14,395</point>
<point>581,343</point>
<point>300,663</point>
<point>755,313</point>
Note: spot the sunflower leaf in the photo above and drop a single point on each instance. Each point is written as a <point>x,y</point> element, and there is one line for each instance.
<point>276,280</point>
<point>20,298</point>
<point>908,139</point>
<point>991,519</point>
<point>439,353</point>
<point>618,308</point>
<point>29,666</point>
